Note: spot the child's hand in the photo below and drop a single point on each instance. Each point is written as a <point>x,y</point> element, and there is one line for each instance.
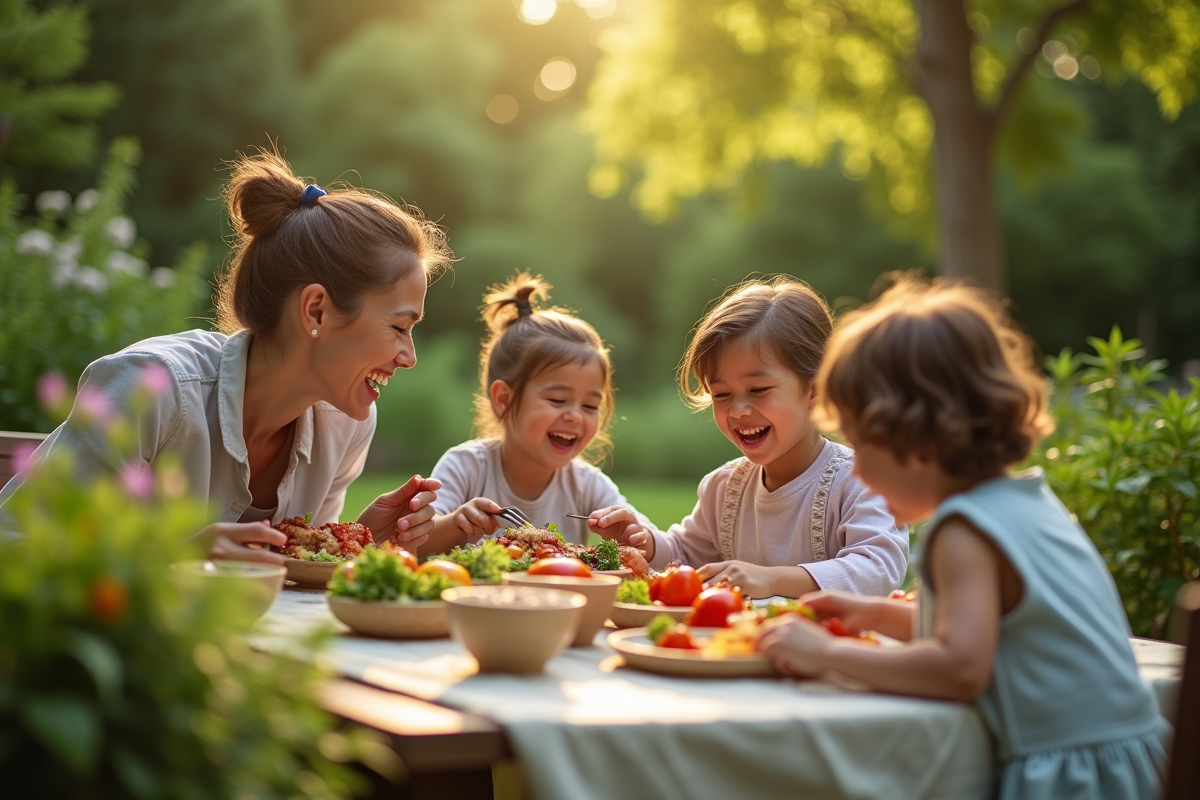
<point>794,644</point>
<point>856,612</point>
<point>474,518</point>
<point>622,524</point>
<point>229,540</point>
<point>754,581</point>
<point>405,513</point>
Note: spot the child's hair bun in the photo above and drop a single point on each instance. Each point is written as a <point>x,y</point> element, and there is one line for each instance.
<point>507,302</point>
<point>261,193</point>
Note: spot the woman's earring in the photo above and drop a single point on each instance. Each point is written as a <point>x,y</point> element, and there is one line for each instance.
<point>314,331</point>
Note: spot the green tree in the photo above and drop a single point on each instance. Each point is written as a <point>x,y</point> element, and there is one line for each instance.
<point>695,93</point>
<point>44,118</point>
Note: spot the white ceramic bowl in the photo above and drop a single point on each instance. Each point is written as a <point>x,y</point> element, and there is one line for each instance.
<point>600,591</point>
<point>395,620</point>
<point>513,628</point>
<point>258,584</point>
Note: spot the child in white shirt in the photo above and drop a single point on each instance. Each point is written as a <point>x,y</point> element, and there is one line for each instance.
<point>545,400</point>
<point>789,517</point>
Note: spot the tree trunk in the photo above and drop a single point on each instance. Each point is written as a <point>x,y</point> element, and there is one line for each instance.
<point>969,244</point>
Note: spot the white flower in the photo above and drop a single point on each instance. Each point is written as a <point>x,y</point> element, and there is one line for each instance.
<point>163,277</point>
<point>56,200</point>
<point>68,251</point>
<point>122,231</point>
<point>35,241</point>
<point>91,279</point>
<point>120,261</point>
<point>64,275</point>
<point>87,200</point>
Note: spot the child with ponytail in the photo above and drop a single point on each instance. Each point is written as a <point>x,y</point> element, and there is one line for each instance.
<point>543,409</point>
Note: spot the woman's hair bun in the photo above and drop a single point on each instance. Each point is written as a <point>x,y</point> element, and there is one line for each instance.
<point>507,302</point>
<point>262,191</point>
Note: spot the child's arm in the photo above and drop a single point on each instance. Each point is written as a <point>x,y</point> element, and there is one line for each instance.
<point>956,664</point>
<point>894,618</point>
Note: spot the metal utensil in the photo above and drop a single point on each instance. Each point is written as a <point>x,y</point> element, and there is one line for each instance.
<point>515,517</point>
<point>576,516</point>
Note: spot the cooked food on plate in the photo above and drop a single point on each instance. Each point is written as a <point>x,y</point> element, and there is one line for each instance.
<point>333,541</point>
<point>526,545</point>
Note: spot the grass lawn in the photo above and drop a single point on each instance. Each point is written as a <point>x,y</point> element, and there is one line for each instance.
<point>664,502</point>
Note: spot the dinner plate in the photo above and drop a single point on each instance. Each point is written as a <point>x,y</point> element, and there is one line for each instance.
<point>310,574</point>
<point>632,615</point>
<point>394,620</point>
<point>639,653</point>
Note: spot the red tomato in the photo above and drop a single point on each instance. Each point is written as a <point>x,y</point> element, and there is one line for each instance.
<point>655,582</point>
<point>570,567</point>
<point>834,626</point>
<point>345,568</point>
<point>545,551</point>
<point>457,573</point>
<point>714,605</point>
<point>109,599</point>
<point>680,587</point>
<point>679,639</point>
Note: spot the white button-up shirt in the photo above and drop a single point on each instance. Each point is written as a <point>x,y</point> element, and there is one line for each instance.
<point>199,420</point>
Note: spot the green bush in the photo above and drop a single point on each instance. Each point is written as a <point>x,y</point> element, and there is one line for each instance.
<point>118,682</point>
<point>75,285</point>
<point>1125,460</point>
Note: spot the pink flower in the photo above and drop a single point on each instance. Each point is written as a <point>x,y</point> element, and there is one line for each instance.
<point>51,389</point>
<point>93,404</point>
<point>138,480</point>
<point>157,379</point>
<point>22,459</point>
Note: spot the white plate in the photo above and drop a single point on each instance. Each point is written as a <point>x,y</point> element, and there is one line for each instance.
<point>632,615</point>
<point>639,653</point>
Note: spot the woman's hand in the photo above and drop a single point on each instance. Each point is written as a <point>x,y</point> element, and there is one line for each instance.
<point>754,580</point>
<point>230,539</point>
<point>622,524</point>
<point>474,518</point>
<point>405,513</point>
<point>795,645</point>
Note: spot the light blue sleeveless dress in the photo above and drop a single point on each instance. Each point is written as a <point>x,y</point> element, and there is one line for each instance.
<point>1070,716</point>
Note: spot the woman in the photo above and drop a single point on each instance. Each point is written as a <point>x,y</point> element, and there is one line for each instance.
<point>272,417</point>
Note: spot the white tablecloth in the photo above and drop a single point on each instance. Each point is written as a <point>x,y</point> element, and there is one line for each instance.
<point>589,728</point>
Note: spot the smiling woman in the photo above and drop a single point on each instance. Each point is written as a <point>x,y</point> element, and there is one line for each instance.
<point>271,417</point>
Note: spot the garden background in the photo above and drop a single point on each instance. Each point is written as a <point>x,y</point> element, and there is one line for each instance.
<point>487,114</point>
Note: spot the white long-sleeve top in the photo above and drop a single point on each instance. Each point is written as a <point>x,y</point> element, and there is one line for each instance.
<point>865,552</point>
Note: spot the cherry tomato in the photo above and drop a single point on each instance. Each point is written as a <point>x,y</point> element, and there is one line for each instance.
<point>546,551</point>
<point>681,587</point>
<point>834,626</point>
<point>457,573</point>
<point>679,639</point>
<point>515,552</point>
<point>655,582</point>
<point>570,567</point>
<point>714,605</point>
<point>345,568</point>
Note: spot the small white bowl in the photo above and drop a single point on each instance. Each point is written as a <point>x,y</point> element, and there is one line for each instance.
<point>412,619</point>
<point>258,583</point>
<point>513,628</point>
<point>599,589</point>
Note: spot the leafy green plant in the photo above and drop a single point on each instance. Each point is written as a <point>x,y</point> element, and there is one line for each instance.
<point>117,680</point>
<point>1125,459</point>
<point>75,285</point>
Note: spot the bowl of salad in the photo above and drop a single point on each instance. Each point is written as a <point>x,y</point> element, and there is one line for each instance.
<point>383,593</point>
<point>314,553</point>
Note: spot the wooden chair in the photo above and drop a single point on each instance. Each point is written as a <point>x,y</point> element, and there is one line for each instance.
<point>1183,773</point>
<point>10,442</point>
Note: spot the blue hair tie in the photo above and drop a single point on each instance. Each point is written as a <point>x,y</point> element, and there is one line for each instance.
<point>310,194</point>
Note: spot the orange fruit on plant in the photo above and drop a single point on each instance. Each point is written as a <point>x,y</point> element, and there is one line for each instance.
<point>456,573</point>
<point>569,567</point>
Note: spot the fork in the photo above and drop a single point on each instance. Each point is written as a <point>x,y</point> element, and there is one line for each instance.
<point>515,517</point>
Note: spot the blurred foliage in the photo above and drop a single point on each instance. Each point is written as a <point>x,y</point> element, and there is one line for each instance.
<point>119,680</point>
<point>44,118</point>
<point>692,93</point>
<point>1125,460</point>
<point>75,285</point>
